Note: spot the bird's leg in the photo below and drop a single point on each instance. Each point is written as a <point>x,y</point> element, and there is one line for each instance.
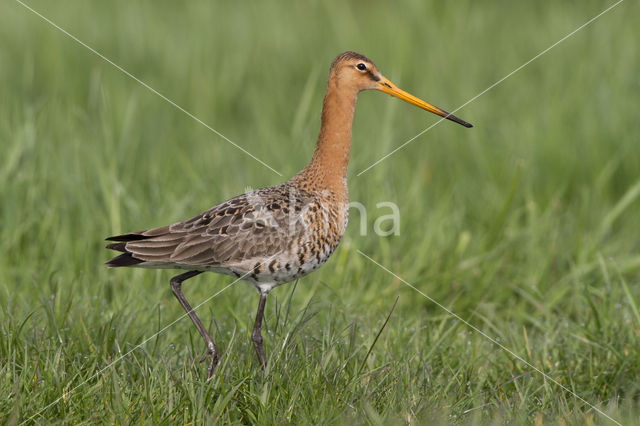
<point>256,336</point>
<point>212,351</point>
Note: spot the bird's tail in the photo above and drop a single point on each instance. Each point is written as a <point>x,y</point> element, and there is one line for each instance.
<point>126,258</point>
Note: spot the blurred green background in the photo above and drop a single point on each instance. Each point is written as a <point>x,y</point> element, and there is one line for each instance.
<point>526,225</point>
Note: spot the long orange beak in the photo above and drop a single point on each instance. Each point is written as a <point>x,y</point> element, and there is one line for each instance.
<point>388,87</point>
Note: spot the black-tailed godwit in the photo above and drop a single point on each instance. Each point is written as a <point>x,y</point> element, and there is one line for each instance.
<point>277,234</point>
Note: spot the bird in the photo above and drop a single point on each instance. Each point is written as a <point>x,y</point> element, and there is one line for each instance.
<point>277,234</point>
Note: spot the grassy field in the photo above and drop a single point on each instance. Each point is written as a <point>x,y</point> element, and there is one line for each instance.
<point>526,226</point>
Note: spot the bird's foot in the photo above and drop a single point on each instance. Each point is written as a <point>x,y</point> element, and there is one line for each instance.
<point>213,361</point>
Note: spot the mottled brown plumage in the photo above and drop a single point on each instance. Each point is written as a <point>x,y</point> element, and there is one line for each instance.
<point>295,230</point>
<point>277,234</point>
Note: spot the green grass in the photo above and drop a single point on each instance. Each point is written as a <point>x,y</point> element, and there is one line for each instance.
<point>526,225</point>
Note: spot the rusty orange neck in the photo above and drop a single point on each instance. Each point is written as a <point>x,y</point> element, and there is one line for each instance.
<point>327,169</point>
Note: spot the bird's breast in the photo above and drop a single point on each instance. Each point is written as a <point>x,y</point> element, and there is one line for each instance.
<point>313,234</point>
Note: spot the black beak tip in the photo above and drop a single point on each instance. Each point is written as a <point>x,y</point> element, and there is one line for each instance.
<point>459,121</point>
<point>455,119</point>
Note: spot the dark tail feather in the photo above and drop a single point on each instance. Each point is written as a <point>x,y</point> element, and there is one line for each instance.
<point>127,237</point>
<point>117,247</point>
<point>125,259</point>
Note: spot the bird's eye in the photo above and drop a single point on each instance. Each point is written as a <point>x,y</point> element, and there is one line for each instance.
<point>361,66</point>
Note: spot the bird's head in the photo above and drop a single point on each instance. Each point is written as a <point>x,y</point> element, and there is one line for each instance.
<point>351,70</point>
